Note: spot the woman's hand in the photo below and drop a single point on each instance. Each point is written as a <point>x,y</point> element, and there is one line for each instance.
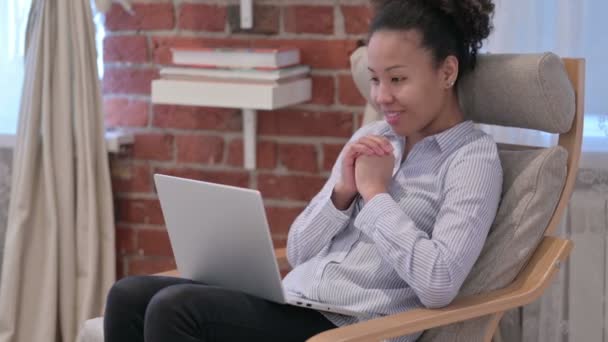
<point>373,174</point>
<point>346,189</point>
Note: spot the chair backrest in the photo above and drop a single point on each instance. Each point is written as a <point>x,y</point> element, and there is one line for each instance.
<point>535,91</point>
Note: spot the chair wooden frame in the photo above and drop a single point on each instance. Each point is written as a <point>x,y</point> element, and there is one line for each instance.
<point>528,286</point>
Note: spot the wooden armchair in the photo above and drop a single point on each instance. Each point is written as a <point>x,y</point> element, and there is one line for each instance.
<point>541,267</point>
<point>528,286</point>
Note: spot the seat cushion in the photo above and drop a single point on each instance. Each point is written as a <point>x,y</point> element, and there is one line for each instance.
<point>532,185</point>
<point>91,331</point>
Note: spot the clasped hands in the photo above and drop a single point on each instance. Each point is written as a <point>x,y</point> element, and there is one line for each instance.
<point>367,168</point>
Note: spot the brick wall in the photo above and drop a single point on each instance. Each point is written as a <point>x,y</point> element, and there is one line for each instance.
<point>296,146</point>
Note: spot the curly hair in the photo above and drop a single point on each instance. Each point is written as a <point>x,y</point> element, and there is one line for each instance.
<point>448,27</point>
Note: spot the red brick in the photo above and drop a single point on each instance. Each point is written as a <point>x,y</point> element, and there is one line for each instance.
<point>153,146</point>
<point>126,240</point>
<point>128,80</point>
<point>120,267</point>
<point>238,178</point>
<point>348,92</point>
<point>323,89</point>
<point>266,19</point>
<point>330,155</point>
<point>139,211</point>
<point>197,118</point>
<point>202,17</point>
<point>266,154</point>
<point>121,112</point>
<point>309,19</point>
<point>148,16</point>
<point>279,242</point>
<point>299,157</point>
<point>319,54</point>
<point>129,177</point>
<point>150,265</point>
<point>154,243</point>
<point>356,18</point>
<point>161,45</point>
<point>280,220</point>
<point>299,188</point>
<point>133,49</point>
<point>290,122</point>
<point>199,149</point>
<point>359,119</point>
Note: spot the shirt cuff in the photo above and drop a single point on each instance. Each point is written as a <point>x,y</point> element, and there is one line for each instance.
<point>380,211</point>
<point>330,210</point>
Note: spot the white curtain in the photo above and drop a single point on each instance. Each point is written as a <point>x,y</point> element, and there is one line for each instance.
<point>59,250</point>
<point>572,309</point>
<point>13,21</point>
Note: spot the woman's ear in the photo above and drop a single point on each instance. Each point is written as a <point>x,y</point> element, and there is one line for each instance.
<point>449,71</point>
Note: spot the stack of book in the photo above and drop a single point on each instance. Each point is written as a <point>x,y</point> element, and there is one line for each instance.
<point>233,75</point>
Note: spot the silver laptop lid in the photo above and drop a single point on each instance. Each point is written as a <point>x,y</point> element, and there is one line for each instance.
<point>220,236</point>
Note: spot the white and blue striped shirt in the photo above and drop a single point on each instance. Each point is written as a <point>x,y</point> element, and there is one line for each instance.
<point>411,247</point>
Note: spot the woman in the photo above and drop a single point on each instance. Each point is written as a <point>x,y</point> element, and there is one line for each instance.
<point>401,220</point>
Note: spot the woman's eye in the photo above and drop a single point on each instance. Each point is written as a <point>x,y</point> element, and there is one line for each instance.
<point>398,79</point>
<point>374,79</point>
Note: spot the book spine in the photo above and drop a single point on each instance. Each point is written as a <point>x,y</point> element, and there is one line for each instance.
<point>220,55</point>
<point>203,66</point>
<point>236,50</point>
<point>230,66</point>
<point>276,68</point>
<point>232,79</point>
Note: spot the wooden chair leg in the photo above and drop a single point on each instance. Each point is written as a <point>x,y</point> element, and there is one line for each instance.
<point>492,326</point>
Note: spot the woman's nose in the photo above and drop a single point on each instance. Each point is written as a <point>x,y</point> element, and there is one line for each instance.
<point>382,94</point>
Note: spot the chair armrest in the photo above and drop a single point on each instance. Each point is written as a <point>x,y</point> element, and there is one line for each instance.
<point>280,253</point>
<point>171,273</point>
<point>528,286</point>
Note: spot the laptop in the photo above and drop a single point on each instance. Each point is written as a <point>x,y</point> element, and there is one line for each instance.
<point>220,236</point>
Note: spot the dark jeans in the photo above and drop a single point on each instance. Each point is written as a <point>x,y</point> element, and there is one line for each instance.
<point>151,309</point>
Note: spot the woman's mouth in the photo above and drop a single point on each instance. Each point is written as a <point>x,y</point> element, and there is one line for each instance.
<point>392,118</point>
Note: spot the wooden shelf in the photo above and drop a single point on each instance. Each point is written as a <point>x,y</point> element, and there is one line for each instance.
<point>245,96</point>
<point>231,95</point>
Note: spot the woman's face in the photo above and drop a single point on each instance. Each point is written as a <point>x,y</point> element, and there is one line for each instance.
<point>409,89</point>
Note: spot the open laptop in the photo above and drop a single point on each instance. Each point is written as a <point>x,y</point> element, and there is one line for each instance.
<point>220,236</point>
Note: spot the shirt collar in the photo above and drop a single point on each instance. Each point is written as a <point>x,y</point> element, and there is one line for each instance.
<point>445,139</point>
<point>453,135</point>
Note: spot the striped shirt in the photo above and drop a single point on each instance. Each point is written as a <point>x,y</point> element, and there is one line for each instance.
<point>411,247</point>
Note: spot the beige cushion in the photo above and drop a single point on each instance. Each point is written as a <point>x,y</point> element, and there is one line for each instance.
<point>532,185</point>
<point>518,90</point>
